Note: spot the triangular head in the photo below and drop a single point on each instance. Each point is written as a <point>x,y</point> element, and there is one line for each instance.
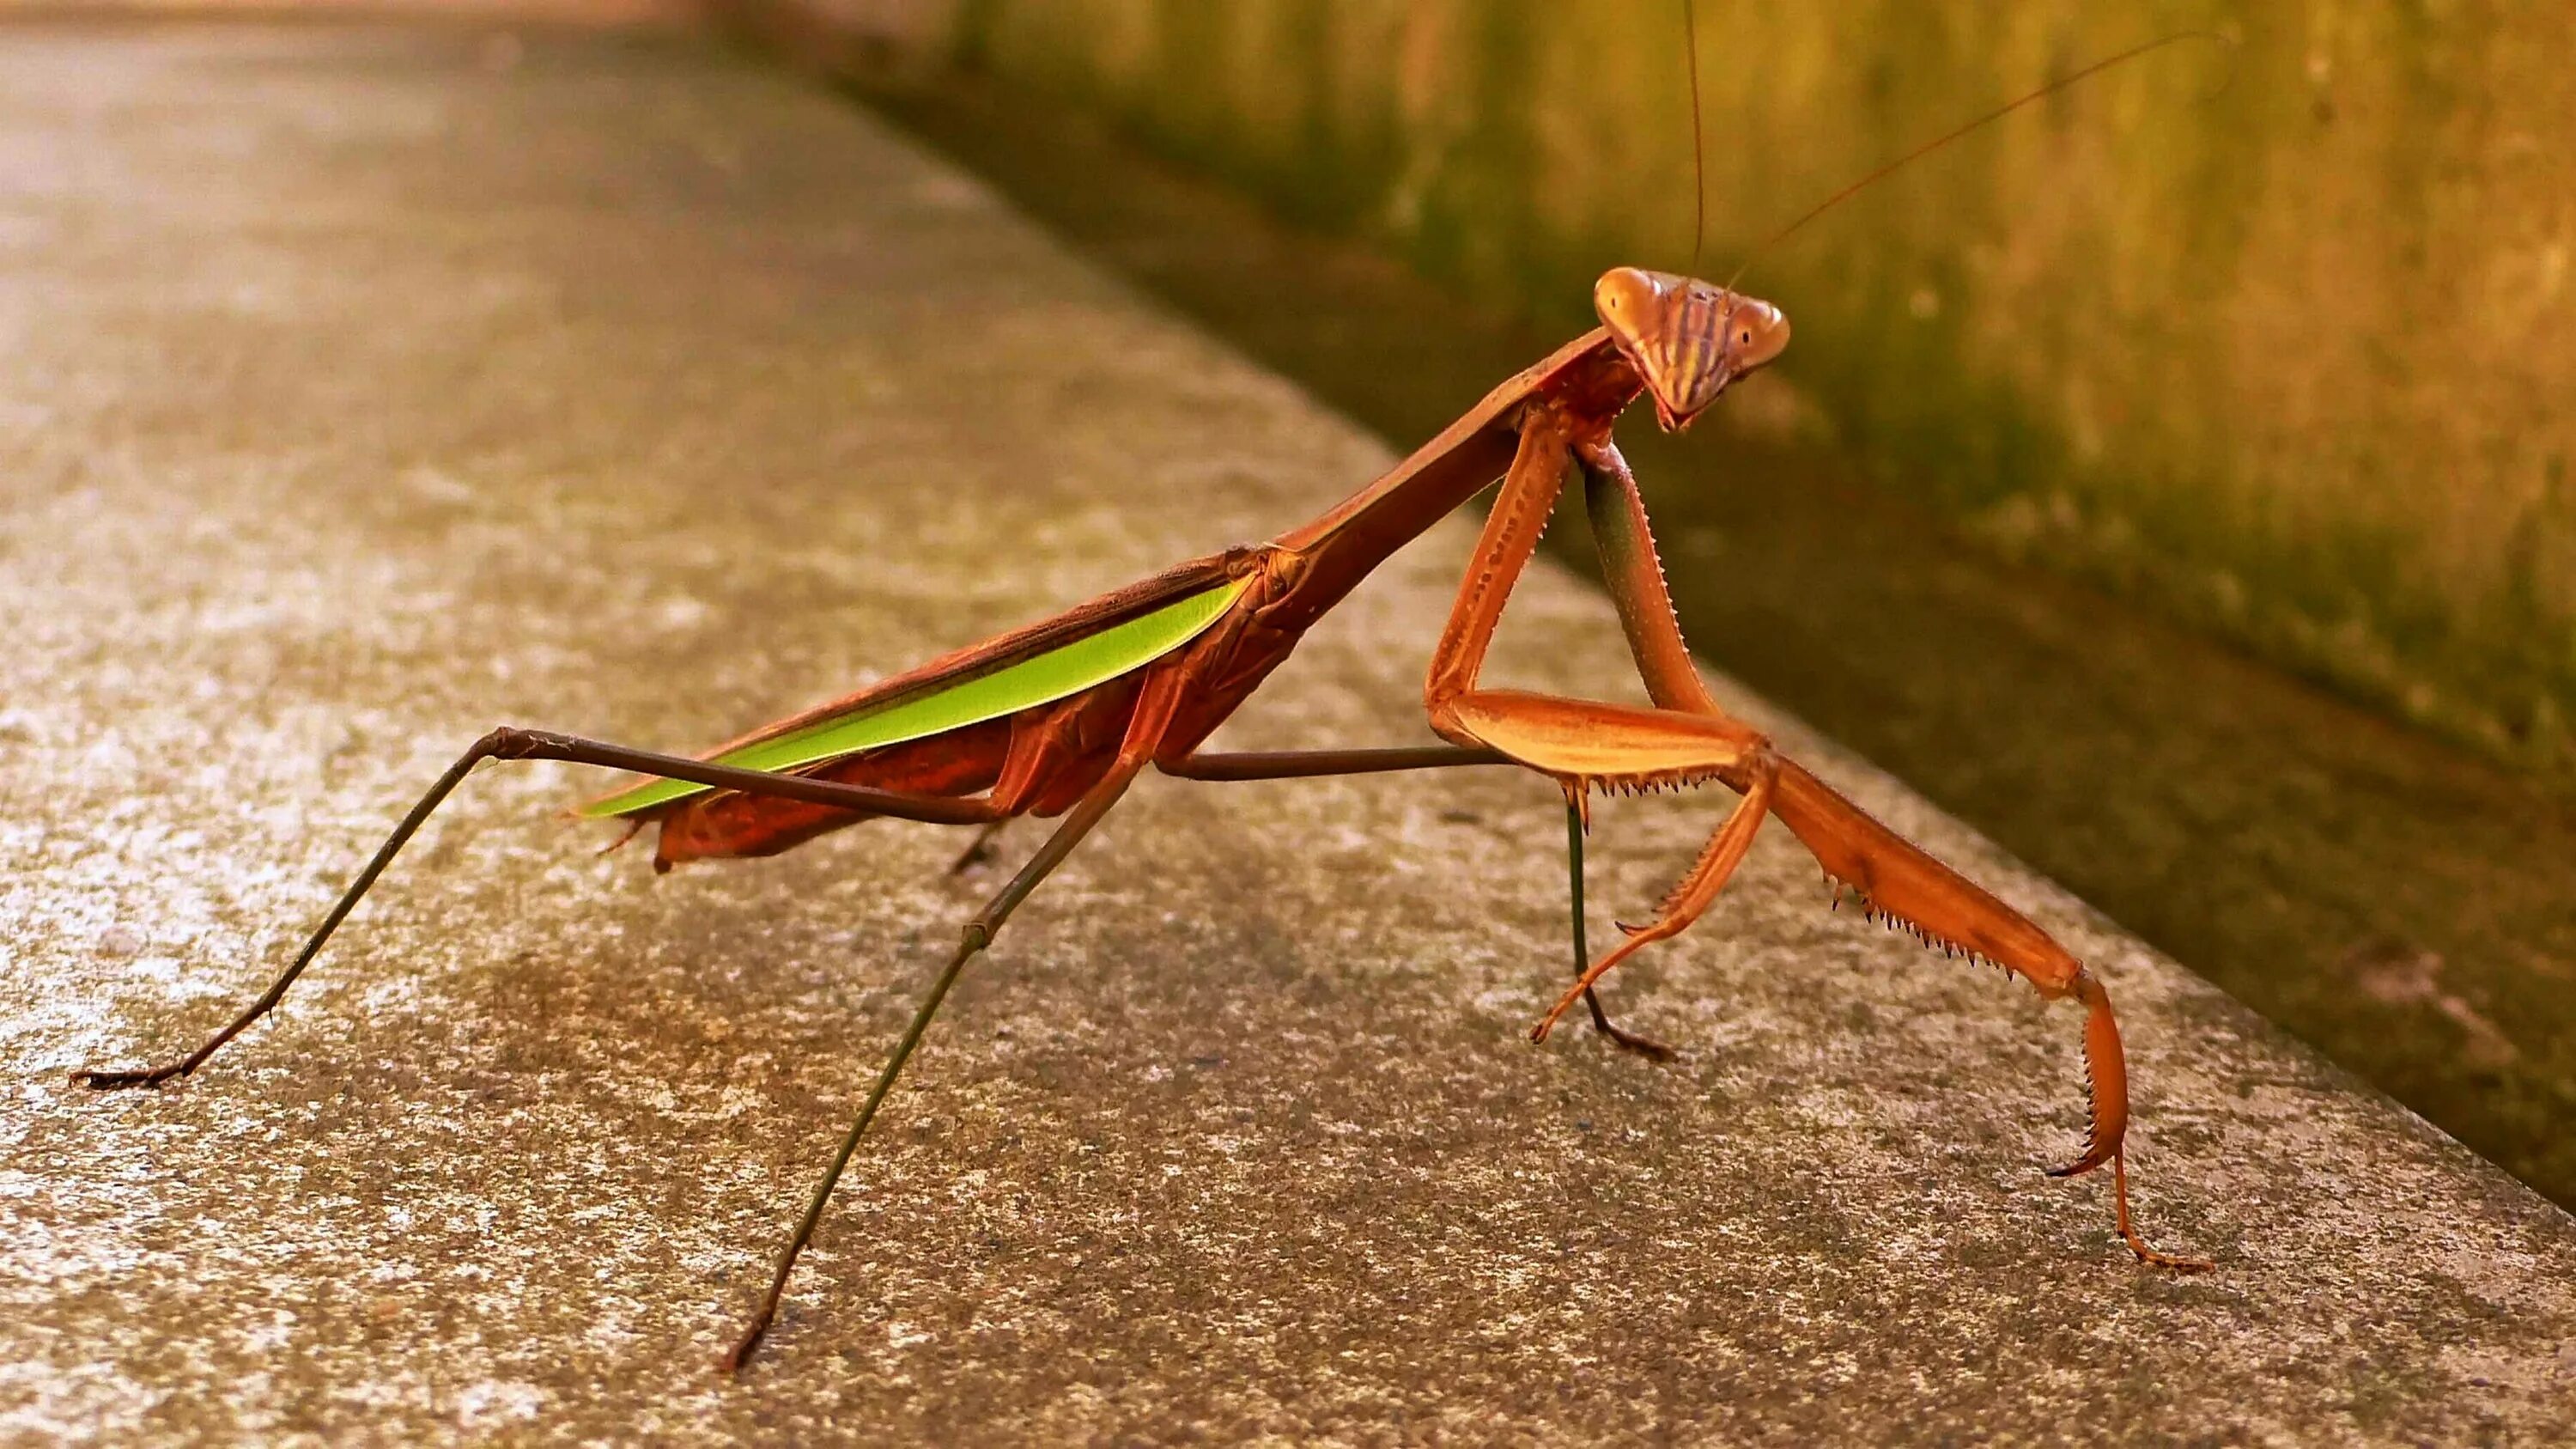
<point>1687,338</point>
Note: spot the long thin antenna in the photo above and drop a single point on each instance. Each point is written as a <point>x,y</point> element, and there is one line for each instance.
<point>1699,145</point>
<point>1944,139</point>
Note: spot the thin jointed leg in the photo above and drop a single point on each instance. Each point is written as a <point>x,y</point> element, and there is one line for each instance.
<point>509,743</point>
<point>1643,1046</point>
<point>1277,765</point>
<point>1308,764</point>
<point>1690,897</point>
<point>978,934</point>
<point>1153,714</point>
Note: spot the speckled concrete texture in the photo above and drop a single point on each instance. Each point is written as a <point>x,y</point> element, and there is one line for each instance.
<point>362,387</point>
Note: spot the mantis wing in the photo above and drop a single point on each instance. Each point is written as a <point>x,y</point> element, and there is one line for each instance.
<point>1082,647</point>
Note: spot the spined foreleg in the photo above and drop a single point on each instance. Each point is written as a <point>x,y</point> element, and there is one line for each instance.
<point>1899,883</point>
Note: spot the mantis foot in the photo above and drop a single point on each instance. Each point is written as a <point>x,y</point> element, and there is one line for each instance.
<point>1629,1041</point>
<point>97,1080</point>
<point>735,1357</point>
<point>2147,1253</point>
<point>2178,1262</point>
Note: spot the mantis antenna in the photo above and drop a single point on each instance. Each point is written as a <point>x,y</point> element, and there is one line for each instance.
<point>1699,146</point>
<point>1699,163</point>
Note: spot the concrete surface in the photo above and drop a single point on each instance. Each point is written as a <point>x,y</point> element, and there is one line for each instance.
<point>363,387</point>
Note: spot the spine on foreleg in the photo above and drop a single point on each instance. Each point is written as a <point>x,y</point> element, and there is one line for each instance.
<point>2106,1078</point>
<point>1896,880</point>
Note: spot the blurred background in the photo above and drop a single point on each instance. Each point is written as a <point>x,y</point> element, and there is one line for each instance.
<point>2172,480</point>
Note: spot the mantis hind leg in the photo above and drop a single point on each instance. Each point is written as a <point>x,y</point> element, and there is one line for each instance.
<point>1153,714</point>
<point>978,934</point>
<point>509,743</point>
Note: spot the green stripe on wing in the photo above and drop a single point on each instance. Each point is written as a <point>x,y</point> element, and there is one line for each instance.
<point>1043,678</point>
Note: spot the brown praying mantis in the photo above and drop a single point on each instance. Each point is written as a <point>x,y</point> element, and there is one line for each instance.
<point>1058,719</point>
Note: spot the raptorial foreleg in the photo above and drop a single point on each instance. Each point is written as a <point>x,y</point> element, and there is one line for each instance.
<point>1689,898</point>
<point>1899,883</point>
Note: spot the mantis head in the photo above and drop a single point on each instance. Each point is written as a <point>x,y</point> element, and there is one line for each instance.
<point>1687,338</point>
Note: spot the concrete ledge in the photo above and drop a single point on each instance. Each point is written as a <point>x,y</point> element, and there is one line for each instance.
<point>365,387</point>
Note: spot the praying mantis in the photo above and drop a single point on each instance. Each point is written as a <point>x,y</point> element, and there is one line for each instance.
<point>1057,720</point>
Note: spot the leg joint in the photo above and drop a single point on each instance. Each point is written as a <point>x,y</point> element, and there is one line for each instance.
<point>2085,987</point>
<point>509,742</point>
<point>505,742</point>
<point>1760,766</point>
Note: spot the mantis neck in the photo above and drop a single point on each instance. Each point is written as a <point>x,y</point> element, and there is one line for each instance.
<point>1587,377</point>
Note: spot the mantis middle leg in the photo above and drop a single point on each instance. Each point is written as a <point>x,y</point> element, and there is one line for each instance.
<point>1307,764</point>
<point>1153,715</point>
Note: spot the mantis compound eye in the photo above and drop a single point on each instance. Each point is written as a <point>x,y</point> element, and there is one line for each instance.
<point>1624,295</point>
<point>1756,333</point>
